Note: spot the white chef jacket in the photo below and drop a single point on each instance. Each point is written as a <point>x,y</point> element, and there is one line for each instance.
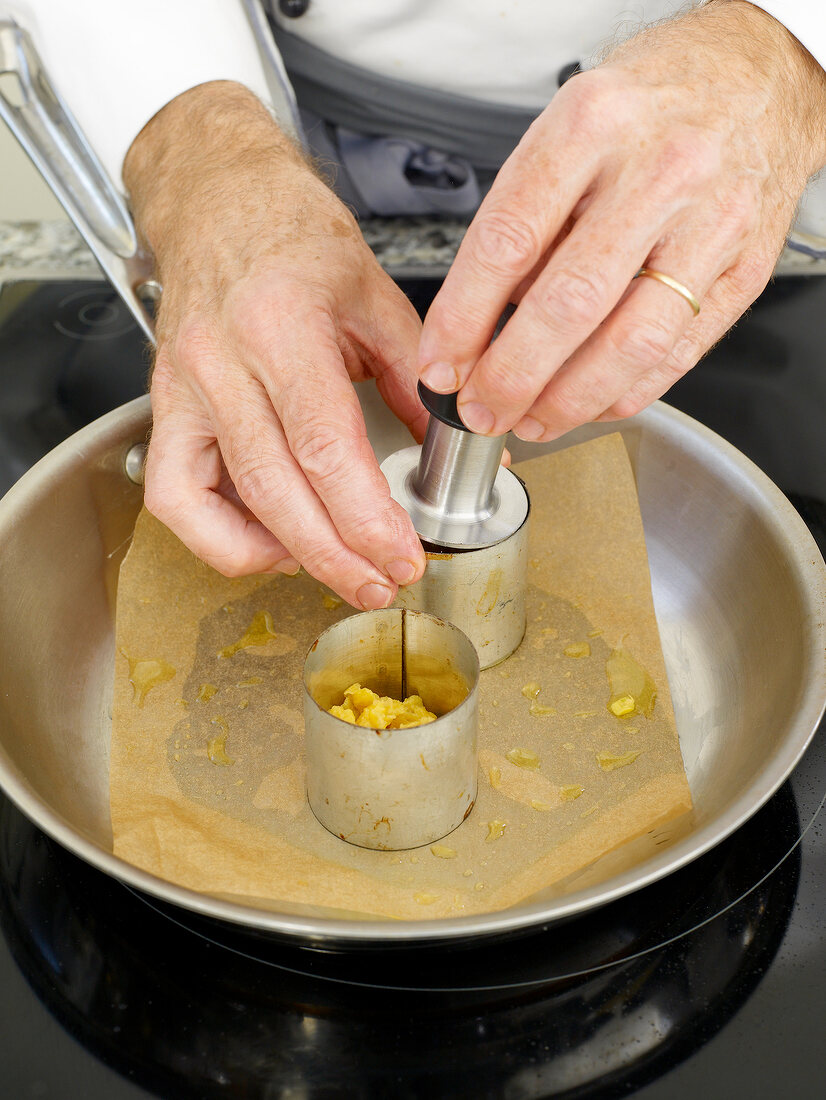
<point>118,62</point>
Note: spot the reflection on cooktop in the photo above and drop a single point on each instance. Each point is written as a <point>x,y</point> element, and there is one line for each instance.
<point>184,1004</point>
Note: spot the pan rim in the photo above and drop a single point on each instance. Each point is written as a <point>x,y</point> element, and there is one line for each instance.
<point>809,571</point>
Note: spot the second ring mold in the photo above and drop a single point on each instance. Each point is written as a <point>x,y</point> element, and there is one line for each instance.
<point>392,788</point>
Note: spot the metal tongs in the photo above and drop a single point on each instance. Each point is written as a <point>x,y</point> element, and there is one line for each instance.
<point>42,123</point>
<point>40,119</point>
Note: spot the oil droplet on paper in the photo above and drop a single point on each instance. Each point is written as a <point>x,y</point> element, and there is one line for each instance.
<point>496,829</point>
<point>217,745</point>
<point>250,681</point>
<point>495,777</point>
<point>531,690</point>
<point>144,675</point>
<point>206,692</point>
<point>425,899</point>
<point>577,649</point>
<point>541,806</point>
<point>632,689</point>
<point>441,851</point>
<point>538,711</point>
<point>331,602</point>
<point>523,758</point>
<point>260,632</point>
<point>608,761</point>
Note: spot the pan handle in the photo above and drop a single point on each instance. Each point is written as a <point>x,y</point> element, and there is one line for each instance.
<point>42,123</point>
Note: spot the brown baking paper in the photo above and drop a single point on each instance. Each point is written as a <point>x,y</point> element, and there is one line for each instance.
<point>207,772</point>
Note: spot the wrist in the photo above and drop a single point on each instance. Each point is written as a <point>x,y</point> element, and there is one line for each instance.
<point>795,80</point>
<point>765,80</point>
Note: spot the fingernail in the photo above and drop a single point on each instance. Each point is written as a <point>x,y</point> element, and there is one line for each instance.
<point>440,377</point>
<point>529,429</point>
<point>401,571</point>
<point>374,596</point>
<point>476,417</point>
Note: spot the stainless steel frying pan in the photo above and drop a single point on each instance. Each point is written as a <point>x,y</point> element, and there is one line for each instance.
<point>739,587</point>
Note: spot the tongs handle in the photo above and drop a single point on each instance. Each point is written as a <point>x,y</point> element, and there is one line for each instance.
<point>42,123</point>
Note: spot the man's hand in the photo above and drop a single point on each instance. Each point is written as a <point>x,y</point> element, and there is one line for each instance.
<point>686,152</point>
<point>272,305</point>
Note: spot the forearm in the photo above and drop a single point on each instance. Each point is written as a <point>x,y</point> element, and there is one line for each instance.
<point>212,145</point>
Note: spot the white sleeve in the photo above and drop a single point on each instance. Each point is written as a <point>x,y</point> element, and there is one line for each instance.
<point>806,19</point>
<point>118,62</point>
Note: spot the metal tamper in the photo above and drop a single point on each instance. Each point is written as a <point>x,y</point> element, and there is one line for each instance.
<point>471,515</point>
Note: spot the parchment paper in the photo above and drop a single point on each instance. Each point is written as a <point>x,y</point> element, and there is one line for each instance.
<point>243,829</point>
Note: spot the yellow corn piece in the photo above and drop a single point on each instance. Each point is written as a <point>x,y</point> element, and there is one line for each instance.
<point>623,706</point>
<point>608,761</point>
<point>523,758</point>
<point>568,794</point>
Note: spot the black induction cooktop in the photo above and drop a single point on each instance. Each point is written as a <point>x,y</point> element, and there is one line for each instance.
<point>710,983</point>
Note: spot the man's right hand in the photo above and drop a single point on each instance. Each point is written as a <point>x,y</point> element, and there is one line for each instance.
<point>272,306</point>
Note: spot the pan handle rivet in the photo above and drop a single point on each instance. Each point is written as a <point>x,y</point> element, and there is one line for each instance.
<point>133,463</point>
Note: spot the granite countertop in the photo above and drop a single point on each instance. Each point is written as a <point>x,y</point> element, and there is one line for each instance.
<point>411,247</point>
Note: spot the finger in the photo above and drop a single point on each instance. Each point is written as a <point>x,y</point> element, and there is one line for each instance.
<point>271,483</point>
<point>607,366</point>
<point>725,302</point>
<point>512,229</point>
<point>634,341</point>
<point>324,427</point>
<point>582,283</point>
<point>183,475</point>
<point>638,337</point>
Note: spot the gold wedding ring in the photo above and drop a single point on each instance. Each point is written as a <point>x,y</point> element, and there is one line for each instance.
<point>683,291</point>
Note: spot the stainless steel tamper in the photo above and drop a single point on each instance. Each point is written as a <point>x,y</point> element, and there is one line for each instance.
<point>471,515</point>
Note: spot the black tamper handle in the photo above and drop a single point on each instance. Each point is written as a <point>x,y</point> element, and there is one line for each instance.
<point>442,406</point>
